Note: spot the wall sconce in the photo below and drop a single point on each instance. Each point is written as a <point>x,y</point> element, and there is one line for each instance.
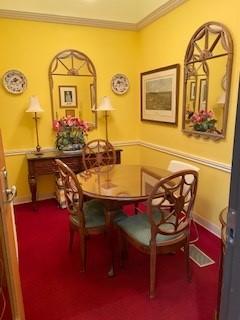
<point>35,107</point>
<point>105,106</point>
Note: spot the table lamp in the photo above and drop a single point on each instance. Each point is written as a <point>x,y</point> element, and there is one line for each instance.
<point>35,107</point>
<point>105,106</point>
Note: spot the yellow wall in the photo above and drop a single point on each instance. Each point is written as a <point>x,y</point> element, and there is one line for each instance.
<point>164,43</point>
<point>30,46</point>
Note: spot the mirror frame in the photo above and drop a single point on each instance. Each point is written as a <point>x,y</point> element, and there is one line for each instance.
<point>205,54</point>
<point>72,54</point>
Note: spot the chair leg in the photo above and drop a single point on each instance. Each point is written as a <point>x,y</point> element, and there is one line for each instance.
<point>83,251</point>
<point>153,262</point>
<point>122,245</point>
<point>187,261</point>
<point>71,238</point>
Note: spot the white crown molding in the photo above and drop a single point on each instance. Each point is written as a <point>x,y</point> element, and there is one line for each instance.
<point>159,12</point>
<point>52,18</point>
<point>177,153</point>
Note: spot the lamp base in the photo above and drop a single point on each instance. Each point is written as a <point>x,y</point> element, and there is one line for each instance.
<point>38,151</point>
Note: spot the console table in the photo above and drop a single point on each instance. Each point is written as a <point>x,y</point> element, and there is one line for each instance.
<point>44,164</point>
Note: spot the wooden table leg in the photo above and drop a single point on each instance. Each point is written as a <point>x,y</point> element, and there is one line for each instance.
<point>33,188</point>
<point>109,214</point>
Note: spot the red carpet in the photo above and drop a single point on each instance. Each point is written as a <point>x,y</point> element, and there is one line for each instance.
<point>54,289</point>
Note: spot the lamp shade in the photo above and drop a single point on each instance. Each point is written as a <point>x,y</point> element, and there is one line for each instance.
<point>105,105</point>
<point>34,105</point>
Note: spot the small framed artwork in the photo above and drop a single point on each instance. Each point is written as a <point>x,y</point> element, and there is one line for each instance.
<point>70,113</point>
<point>203,93</point>
<point>68,96</point>
<point>159,94</point>
<point>192,90</point>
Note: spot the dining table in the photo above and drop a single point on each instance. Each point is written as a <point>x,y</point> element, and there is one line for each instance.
<point>118,185</point>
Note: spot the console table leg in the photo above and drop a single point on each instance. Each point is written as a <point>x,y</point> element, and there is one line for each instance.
<point>33,188</point>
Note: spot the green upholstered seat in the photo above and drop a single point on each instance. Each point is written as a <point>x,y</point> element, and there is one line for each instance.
<point>138,227</point>
<point>94,214</point>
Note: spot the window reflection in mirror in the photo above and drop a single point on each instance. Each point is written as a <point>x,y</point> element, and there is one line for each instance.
<point>208,66</point>
<point>72,79</point>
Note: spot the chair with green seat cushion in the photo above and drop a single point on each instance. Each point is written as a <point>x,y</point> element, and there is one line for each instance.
<point>88,217</point>
<point>165,226</point>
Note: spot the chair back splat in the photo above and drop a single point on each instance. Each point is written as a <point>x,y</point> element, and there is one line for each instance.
<point>98,153</point>
<point>170,203</point>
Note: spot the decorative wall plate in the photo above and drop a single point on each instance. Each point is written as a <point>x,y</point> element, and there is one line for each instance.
<point>119,83</point>
<point>14,81</point>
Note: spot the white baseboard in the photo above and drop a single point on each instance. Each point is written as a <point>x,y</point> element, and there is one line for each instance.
<point>21,200</point>
<point>200,220</point>
<point>211,227</point>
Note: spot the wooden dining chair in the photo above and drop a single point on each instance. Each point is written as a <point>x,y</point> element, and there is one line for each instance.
<point>165,226</point>
<point>87,218</point>
<point>97,153</point>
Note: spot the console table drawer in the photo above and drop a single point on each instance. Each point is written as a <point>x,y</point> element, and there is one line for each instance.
<point>45,166</point>
<point>74,163</point>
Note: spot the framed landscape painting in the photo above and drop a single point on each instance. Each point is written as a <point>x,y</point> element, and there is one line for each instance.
<point>159,94</point>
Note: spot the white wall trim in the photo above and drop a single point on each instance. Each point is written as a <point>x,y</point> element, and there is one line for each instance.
<point>177,153</point>
<point>211,227</point>
<point>214,229</point>
<point>188,156</point>
<point>21,200</point>
<point>52,18</point>
<point>16,152</point>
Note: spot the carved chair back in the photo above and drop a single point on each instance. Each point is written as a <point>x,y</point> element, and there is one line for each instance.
<point>72,191</point>
<point>174,197</point>
<point>97,153</point>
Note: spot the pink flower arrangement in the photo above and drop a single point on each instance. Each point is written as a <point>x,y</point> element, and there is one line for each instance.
<point>203,121</point>
<point>71,133</point>
<point>70,122</point>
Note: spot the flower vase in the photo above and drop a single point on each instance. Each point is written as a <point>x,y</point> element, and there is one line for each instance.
<point>70,139</point>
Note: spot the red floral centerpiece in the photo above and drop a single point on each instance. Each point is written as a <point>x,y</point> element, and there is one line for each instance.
<point>71,133</point>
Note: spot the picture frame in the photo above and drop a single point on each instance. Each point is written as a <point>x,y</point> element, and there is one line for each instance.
<point>192,90</point>
<point>159,94</point>
<point>203,94</point>
<point>68,96</point>
<point>70,113</point>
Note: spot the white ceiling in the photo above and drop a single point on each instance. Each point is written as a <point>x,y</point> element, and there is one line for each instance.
<point>131,12</point>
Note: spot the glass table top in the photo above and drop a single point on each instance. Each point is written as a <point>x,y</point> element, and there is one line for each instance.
<point>121,182</point>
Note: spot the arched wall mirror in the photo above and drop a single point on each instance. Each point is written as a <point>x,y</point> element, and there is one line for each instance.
<point>207,79</point>
<point>72,80</point>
